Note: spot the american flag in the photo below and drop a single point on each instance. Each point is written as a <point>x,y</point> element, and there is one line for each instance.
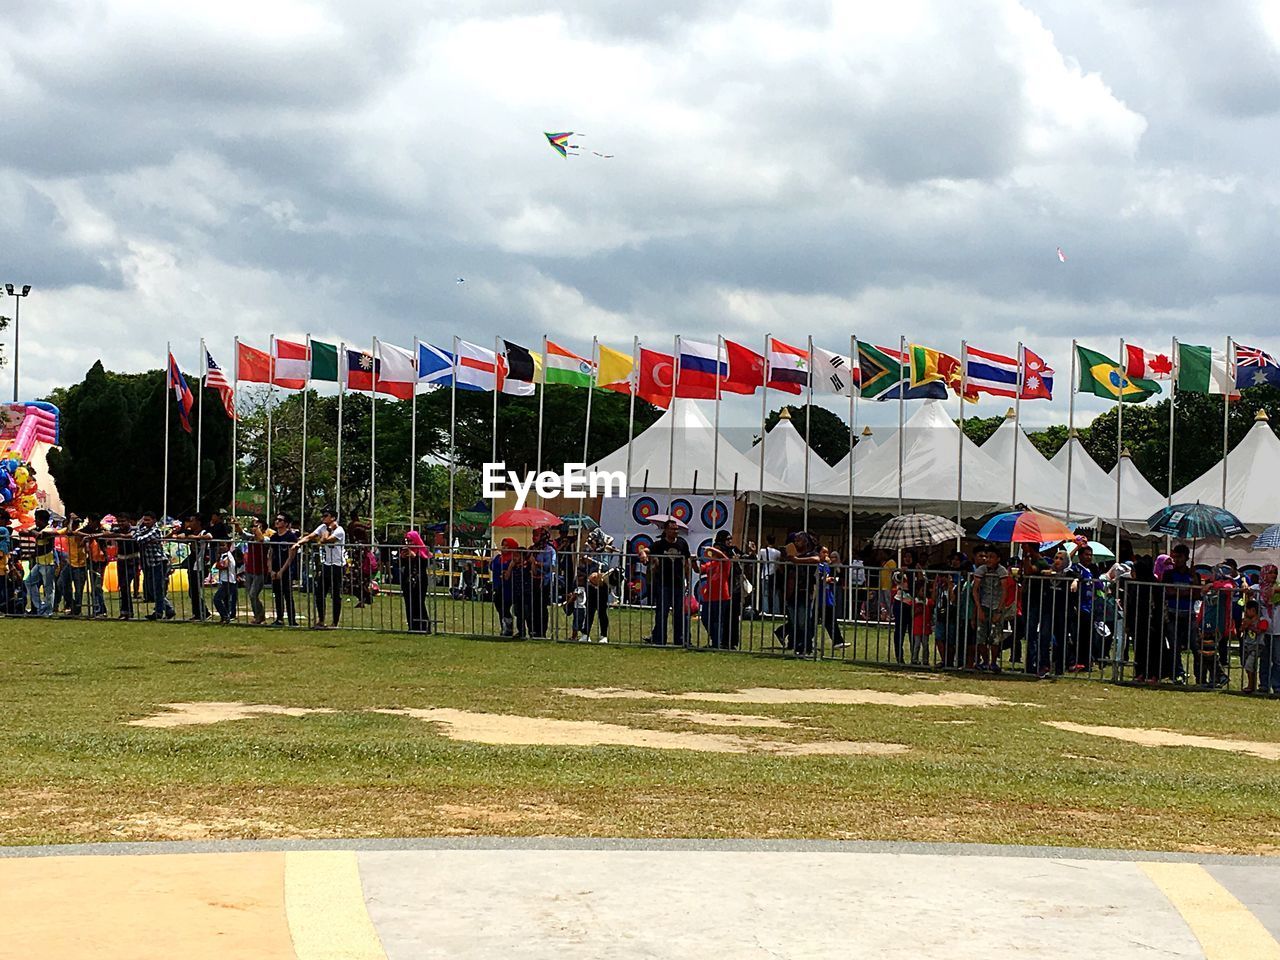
<point>215,378</point>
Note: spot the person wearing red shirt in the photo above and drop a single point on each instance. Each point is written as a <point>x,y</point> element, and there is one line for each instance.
<point>717,568</point>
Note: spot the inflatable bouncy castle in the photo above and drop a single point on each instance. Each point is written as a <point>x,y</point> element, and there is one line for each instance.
<point>27,431</point>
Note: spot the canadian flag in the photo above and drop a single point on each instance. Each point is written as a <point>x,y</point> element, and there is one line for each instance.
<point>1139,364</point>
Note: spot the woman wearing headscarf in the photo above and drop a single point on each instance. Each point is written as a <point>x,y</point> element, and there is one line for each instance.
<point>502,576</point>
<point>414,573</point>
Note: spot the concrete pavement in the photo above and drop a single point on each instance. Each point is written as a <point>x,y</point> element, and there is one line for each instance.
<point>388,900</point>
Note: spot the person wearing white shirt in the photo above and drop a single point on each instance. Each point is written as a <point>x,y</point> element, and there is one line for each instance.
<point>332,539</point>
<point>768,557</point>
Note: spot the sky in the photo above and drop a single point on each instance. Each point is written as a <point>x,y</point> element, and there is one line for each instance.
<point>171,171</point>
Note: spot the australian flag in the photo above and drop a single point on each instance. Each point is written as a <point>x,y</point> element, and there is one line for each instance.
<point>1255,367</point>
<point>181,393</point>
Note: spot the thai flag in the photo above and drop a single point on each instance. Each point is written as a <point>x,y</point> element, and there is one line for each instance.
<point>788,367</point>
<point>701,365</point>
<point>181,393</point>
<point>997,375</point>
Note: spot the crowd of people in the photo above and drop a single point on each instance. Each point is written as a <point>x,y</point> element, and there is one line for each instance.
<point>988,610</point>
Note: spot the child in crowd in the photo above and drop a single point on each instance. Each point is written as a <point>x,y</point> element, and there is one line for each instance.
<point>1253,636</point>
<point>227,596</point>
<point>992,600</point>
<point>575,604</point>
<point>1215,627</point>
<point>921,622</point>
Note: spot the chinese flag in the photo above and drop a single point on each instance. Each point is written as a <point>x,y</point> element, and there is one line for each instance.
<point>657,370</point>
<point>252,366</point>
<point>746,369</point>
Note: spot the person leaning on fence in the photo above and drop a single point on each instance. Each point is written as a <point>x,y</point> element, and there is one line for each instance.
<point>226,597</point>
<point>128,563</point>
<point>717,568</point>
<point>543,563</point>
<point>800,588</point>
<point>197,541</point>
<point>149,536</point>
<point>829,597</point>
<point>1216,627</point>
<point>768,557</point>
<point>281,568</point>
<point>669,562</point>
<point>601,576</point>
<point>1269,656</point>
<point>993,603</point>
<point>501,570</point>
<point>1181,586</point>
<point>415,572</point>
<point>332,539</point>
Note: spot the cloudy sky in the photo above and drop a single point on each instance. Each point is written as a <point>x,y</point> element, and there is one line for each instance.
<point>175,170</point>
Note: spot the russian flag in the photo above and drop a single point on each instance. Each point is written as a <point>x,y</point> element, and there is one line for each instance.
<point>788,367</point>
<point>701,364</point>
<point>181,393</point>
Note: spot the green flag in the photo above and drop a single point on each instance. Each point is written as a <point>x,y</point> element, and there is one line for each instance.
<point>1201,370</point>
<point>1103,377</point>
<point>324,361</point>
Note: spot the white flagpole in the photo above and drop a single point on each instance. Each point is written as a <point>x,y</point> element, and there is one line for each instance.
<point>306,389</point>
<point>591,388</point>
<point>964,386</point>
<point>1173,405</point>
<point>168,395</point>
<point>764,413</point>
<point>631,405</point>
<point>1124,382</point>
<point>808,451</point>
<point>453,441</point>
<point>235,421</point>
<point>343,371</point>
<point>1017,421</point>
<point>204,373</point>
<point>671,452</point>
<point>715,440</point>
<point>413,442</point>
<point>493,439</point>
<point>271,392</point>
<point>902,407</point>
<point>1071,425</point>
<point>373,434</point>
<point>853,435</point>
<point>542,396</point>
<point>1226,413</point>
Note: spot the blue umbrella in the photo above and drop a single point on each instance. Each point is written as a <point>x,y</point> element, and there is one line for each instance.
<point>1268,539</point>
<point>1195,521</point>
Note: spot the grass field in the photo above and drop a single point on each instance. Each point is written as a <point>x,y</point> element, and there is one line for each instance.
<point>72,769</point>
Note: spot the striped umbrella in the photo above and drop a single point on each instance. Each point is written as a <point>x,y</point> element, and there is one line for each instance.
<point>916,530</point>
<point>1195,521</point>
<point>1268,539</point>
<point>1024,526</point>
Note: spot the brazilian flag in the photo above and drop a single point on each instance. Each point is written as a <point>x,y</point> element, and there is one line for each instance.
<point>1103,377</point>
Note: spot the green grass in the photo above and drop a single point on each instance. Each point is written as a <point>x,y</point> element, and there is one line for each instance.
<point>72,770</point>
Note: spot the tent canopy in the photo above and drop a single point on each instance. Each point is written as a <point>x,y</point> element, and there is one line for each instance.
<point>784,459</point>
<point>1252,467</point>
<point>1037,480</point>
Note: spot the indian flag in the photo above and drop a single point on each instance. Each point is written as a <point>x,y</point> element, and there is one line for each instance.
<point>565,366</point>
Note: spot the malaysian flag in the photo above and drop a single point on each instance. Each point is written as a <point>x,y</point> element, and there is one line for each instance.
<point>215,378</point>
<point>1255,367</point>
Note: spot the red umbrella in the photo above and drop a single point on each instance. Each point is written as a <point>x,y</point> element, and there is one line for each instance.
<point>526,517</point>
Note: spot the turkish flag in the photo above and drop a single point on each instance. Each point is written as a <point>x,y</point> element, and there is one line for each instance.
<point>657,370</point>
<point>252,366</point>
<point>746,369</point>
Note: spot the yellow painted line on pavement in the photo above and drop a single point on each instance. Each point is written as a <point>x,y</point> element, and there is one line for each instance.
<point>324,903</point>
<point>1223,925</point>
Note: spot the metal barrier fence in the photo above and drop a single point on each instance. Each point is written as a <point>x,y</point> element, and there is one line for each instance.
<point>1059,622</point>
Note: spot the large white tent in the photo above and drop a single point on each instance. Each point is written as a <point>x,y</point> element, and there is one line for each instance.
<point>785,452</point>
<point>693,450</point>
<point>1252,468</point>
<point>839,482</point>
<point>1091,488</point>
<point>1138,498</point>
<point>1037,481</point>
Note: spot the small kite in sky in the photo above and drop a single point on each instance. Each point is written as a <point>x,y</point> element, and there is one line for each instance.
<point>1062,257</point>
<point>560,142</point>
<point>461,280</point>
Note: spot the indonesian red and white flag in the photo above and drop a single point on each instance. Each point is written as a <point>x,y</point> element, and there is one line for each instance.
<point>292,366</point>
<point>1140,364</point>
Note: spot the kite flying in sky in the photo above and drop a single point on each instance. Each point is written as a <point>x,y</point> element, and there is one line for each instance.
<point>561,145</point>
<point>1062,256</point>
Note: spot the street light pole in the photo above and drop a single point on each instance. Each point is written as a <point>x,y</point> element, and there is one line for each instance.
<point>17,327</point>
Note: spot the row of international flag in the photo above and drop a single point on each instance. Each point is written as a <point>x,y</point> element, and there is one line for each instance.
<point>702,370</point>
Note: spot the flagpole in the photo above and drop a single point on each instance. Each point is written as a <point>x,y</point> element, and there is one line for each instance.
<point>631,403</point>
<point>1124,382</point>
<point>168,390</point>
<point>671,452</point>
<point>493,439</point>
<point>853,433</point>
<point>1173,403</point>
<point>413,442</point>
<point>343,372</point>
<point>964,374</point>
<point>1071,425</point>
<point>591,388</point>
<point>808,411</point>
<point>306,389</point>
<point>235,421</point>
<point>715,441</point>
<point>1226,413</point>
<point>902,407</point>
<point>764,408</point>
<point>373,433</point>
<point>542,397</point>
<point>271,389</point>
<point>1017,422</point>
<point>204,373</point>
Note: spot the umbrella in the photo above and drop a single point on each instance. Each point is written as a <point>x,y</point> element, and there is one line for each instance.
<point>660,518</point>
<point>579,520</point>
<point>916,530</point>
<point>1024,526</point>
<point>526,517</point>
<point>1195,521</point>
<point>1268,539</point>
<point>1100,550</point>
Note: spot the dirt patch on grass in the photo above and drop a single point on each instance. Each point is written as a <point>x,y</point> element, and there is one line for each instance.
<point>200,714</point>
<point>510,729</point>
<point>774,695</point>
<point>721,719</point>
<point>496,815</point>
<point>1171,738</point>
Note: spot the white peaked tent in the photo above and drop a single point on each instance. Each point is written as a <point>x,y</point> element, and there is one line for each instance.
<point>1138,498</point>
<point>1093,492</point>
<point>839,482</point>
<point>784,456</point>
<point>930,444</point>
<point>694,456</point>
<point>1038,483</point>
<point>1252,469</point>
